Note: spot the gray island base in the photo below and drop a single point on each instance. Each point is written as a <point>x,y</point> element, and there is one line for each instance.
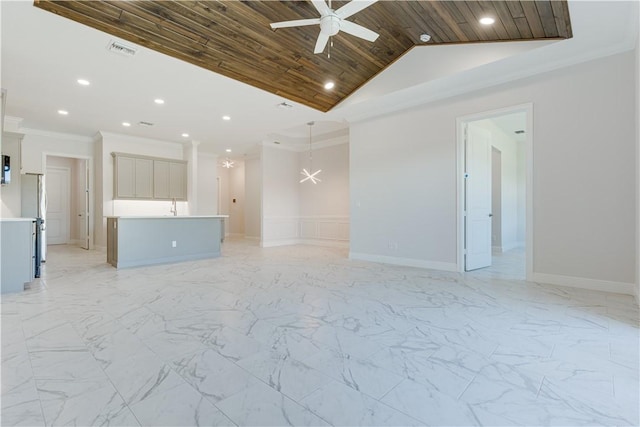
<point>134,241</point>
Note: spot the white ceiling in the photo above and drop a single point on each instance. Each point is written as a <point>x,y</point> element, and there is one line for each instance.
<point>43,55</point>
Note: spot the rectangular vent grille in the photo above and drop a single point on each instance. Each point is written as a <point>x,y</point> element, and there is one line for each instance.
<point>145,124</point>
<point>120,48</point>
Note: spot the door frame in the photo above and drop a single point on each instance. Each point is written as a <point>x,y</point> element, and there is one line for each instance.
<point>92,216</point>
<point>461,121</point>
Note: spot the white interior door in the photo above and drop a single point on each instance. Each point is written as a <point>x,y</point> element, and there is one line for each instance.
<point>58,189</point>
<point>84,211</point>
<point>477,198</point>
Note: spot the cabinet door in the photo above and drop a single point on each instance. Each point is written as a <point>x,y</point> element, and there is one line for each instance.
<point>178,181</point>
<point>161,179</point>
<point>124,183</point>
<point>144,178</point>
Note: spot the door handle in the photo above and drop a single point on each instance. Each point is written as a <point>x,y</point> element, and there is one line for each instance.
<point>490,215</point>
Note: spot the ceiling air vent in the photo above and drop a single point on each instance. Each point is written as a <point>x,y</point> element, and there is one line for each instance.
<point>122,49</point>
<point>145,124</point>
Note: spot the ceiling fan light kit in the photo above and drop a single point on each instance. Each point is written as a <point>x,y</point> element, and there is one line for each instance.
<point>333,21</point>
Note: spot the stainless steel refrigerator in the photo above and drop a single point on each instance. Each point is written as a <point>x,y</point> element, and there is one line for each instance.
<point>34,205</point>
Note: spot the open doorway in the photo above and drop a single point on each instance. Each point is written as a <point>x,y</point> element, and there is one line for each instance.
<point>68,201</point>
<point>494,192</point>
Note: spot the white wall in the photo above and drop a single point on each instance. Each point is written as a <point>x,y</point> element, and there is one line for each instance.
<point>207,193</point>
<point>36,145</point>
<point>10,193</point>
<point>637,92</point>
<point>280,196</point>
<point>496,199</point>
<point>295,212</point>
<point>324,207</point>
<point>512,185</point>
<point>331,196</point>
<point>522,194</point>
<point>403,176</point>
<point>253,197</point>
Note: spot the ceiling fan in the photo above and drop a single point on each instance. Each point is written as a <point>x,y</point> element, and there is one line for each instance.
<point>332,21</point>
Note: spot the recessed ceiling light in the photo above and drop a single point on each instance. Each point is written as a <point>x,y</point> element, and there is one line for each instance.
<point>227,118</point>
<point>185,135</point>
<point>329,85</point>
<point>487,20</point>
<point>126,124</point>
<point>83,82</point>
<point>228,150</point>
<point>159,101</point>
<point>63,112</point>
<point>425,37</point>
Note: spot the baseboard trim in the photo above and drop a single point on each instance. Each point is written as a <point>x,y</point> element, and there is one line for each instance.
<point>274,243</point>
<point>407,262</point>
<point>312,242</point>
<point>327,243</point>
<point>583,283</point>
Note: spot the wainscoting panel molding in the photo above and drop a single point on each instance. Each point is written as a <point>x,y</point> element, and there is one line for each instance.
<point>321,230</point>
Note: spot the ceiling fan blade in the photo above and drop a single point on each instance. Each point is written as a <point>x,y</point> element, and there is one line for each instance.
<point>358,31</point>
<point>353,7</point>
<point>296,23</point>
<point>321,43</point>
<point>321,7</point>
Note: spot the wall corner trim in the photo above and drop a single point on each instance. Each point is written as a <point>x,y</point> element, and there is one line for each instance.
<point>584,283</point>
<point>407,262</point>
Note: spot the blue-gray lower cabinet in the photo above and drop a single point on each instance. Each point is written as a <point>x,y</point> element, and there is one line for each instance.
<point>17,262</point>
<point>135,241</point>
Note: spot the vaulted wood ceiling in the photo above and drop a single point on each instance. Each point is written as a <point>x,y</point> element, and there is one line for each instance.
<point>233,38</point>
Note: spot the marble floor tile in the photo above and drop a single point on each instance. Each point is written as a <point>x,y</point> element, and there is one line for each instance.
<point>65,365</point>
<point>83,403</point>
<point>212,374</point>
<point>289,376</point>
<point>179,406</point>
<point>429,405</point>
<point>340,404</point>
<point>361,375</point>
<point>26,413</point>
<point>261,405</point>
<point>141,376</point>
<point>302,335</point>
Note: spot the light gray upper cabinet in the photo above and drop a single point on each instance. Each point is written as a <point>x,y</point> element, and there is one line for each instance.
<point>161,179</point>
<point>169,179</point>
<point>178,180</point>
<point>142,177</point>
<point>132,178</point>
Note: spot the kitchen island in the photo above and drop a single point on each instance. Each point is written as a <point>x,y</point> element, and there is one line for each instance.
<point>17,253</point>
<point>134,241</point>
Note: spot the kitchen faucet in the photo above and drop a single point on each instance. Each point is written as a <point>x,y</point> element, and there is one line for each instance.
<point>174,207</point>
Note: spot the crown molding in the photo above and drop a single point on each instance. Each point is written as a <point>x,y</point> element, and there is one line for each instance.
<point>57,135</point>
<point>140,140</point>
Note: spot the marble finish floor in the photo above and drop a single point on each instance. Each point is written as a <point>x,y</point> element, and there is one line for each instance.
<point>304,336</point>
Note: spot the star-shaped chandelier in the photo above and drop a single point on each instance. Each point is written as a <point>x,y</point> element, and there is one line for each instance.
<point>307,174</point>
<point>227,163</point>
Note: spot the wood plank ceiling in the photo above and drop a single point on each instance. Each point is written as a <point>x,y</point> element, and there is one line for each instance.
<point>233,38</point>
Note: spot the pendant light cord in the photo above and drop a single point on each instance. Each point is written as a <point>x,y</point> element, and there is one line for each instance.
<point>310,151</point>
